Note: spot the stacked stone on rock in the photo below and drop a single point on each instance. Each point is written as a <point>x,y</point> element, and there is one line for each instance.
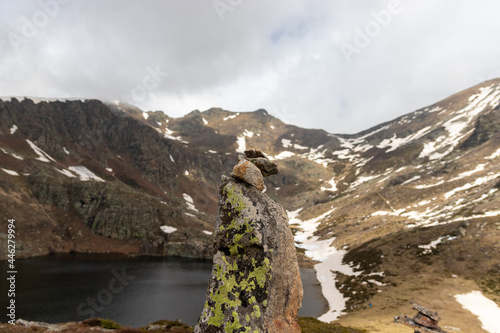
<point>253,167</point>
<point>255,284</point>
<point>425,321</point>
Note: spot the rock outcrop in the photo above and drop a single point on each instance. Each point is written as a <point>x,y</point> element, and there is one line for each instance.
<point>255,284</point>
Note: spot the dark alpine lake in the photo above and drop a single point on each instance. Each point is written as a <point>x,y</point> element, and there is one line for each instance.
<point>131,291</point>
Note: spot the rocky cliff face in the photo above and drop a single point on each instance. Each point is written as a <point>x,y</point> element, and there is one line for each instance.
<point>83,176</point>
<point>255,284</point>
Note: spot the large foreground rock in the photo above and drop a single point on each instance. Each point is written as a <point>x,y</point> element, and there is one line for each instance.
<point>255,284</point>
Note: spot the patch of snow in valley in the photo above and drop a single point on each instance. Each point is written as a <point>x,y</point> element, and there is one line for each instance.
<point>477,182</point>
<point>362,180</point>
<point>248,133</point>
<point>425,202</point>
<point>484,196</point>
<point>395,142</point>
<point>65,151</point>
<point>10,172</point>
<point>479,167</point>
<point>109,170</point>
<point>382,213</point>
<point>494,155</point>
<point>204,121</point>
<point>171,158</point>
<point>411,180</point>
<point>85,174</point>
<point>206,232</point>
<point>19,157</point>
<point>380,284</point>
<point>169,135</point>
<point>42,156</point>
<point>242,145</point>
<point>283,155</point>
<point>435,109</point>
<point>212,151</point>
<point>288,144</point>
<point>318,156</point>
<point>485,309</point>
<point>145,115</point>
<point>67,173</point>
<point>167,229</point>
<point>330,260</point>
<point>332,186</point>
<point>231,117</point>
<point>456,126</point>
<point>419,187</point>
<point>13,129</point>
<point>386,213</point>
<point>344,154</point>
<point>241,141</point>
<point>189,201</point>
<point>372,133</point>
<point>477,216</point>
<point>297,146</point>
<point>432,245</point>
<point>362,148</point>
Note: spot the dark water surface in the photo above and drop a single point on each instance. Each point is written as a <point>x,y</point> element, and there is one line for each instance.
<point>131,291</point>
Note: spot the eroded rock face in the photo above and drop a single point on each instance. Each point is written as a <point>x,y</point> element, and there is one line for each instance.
<point>255,284</point>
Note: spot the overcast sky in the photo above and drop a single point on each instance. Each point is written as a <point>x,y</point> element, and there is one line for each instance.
<point>343,66</point>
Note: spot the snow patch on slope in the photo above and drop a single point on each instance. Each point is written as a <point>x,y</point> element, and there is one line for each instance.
<point>231,117</point>
<point>457,126</point>
<point>42,156</point>
<point>167,229</point>
<point>395,142</point>
<point>189,201</point>
<point>10,172</point>
<point>169,135</point>
<point>85,174</point>
<point>485,309</point>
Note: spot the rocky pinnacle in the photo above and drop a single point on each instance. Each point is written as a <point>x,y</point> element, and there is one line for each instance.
<point>255,284</point>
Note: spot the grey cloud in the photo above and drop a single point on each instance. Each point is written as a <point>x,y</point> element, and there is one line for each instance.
<point>285,56</point>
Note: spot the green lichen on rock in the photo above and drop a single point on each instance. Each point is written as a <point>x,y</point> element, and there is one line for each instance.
<point>235,291</point>
<point>234,198</point>
<point>235,323</point>
<point>244,294</point>
<point>256,311</point>
<point>261,273</point>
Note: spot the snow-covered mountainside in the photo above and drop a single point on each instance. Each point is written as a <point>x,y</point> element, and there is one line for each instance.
<point>408,209</point>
